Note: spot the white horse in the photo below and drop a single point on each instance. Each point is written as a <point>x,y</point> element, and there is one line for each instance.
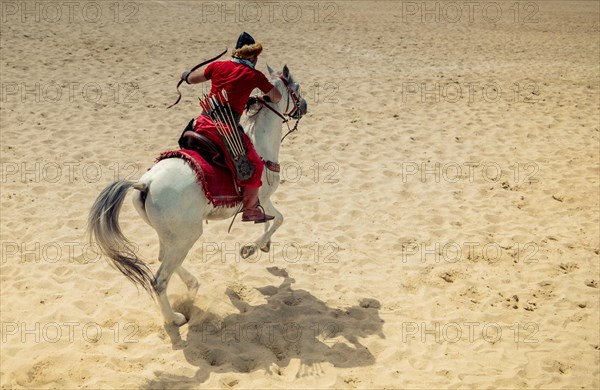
<point>170,200</point>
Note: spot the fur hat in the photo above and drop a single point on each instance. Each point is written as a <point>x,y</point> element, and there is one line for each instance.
<point>246,47</point>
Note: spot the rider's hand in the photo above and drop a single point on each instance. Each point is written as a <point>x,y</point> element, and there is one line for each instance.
<point>254,99</point>
<point>251,101</point>
<point>185,76</point>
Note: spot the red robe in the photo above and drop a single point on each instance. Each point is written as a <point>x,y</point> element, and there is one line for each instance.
<point>239,81</point>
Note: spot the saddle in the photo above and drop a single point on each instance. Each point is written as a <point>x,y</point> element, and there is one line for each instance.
<point>207,160</point>
<point>209,151</point>
<point>214,154</point>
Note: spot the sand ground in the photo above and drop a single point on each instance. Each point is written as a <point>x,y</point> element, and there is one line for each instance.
<point>441,198</point>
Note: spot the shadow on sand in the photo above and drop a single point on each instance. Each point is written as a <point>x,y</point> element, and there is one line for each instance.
<point>292,324</point>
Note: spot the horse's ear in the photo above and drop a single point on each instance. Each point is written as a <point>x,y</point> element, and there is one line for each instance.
<point>271,71</point>
<point>286,71</point>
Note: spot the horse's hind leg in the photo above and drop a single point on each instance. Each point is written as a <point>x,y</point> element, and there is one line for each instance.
<point>171,258</point>
<point>190,280</point>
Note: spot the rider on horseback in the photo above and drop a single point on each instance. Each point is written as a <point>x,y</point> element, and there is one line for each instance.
<point>239,78</point>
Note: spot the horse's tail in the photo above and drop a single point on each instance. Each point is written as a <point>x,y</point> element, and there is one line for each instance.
<point>103,227</point>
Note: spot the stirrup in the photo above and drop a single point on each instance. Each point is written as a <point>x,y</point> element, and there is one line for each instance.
<point>263,217</point>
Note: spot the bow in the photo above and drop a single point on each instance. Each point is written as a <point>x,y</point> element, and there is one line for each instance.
<point>193,69</point>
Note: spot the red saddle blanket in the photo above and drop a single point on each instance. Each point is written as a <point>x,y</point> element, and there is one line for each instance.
<point>218,184</point>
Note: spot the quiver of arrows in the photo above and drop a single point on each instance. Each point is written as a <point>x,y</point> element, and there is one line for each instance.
<point>217,107</point>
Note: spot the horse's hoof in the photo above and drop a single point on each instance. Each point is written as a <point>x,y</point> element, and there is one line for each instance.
<point>179,319</point>
<point>247,251</point>
<point>267,247</point>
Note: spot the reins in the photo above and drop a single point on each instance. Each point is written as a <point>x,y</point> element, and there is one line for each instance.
<point>285,120</point>
<point>290,130</point>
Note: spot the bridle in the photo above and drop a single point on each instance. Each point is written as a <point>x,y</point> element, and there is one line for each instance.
<point>287,113</point>
<point>294,97</point>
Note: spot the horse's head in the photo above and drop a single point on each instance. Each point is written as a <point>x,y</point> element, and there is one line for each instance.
<point>292,102</point>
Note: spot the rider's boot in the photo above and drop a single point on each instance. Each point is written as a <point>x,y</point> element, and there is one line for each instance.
<point>251,211</point>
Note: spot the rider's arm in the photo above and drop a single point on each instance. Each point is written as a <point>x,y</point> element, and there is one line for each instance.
<point>268,88</point>
<point>274,95</point>
<point>195,77</point>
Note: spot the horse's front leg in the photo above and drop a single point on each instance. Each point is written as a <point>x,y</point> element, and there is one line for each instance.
<point>264,241</point>
<point>190,281</point>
